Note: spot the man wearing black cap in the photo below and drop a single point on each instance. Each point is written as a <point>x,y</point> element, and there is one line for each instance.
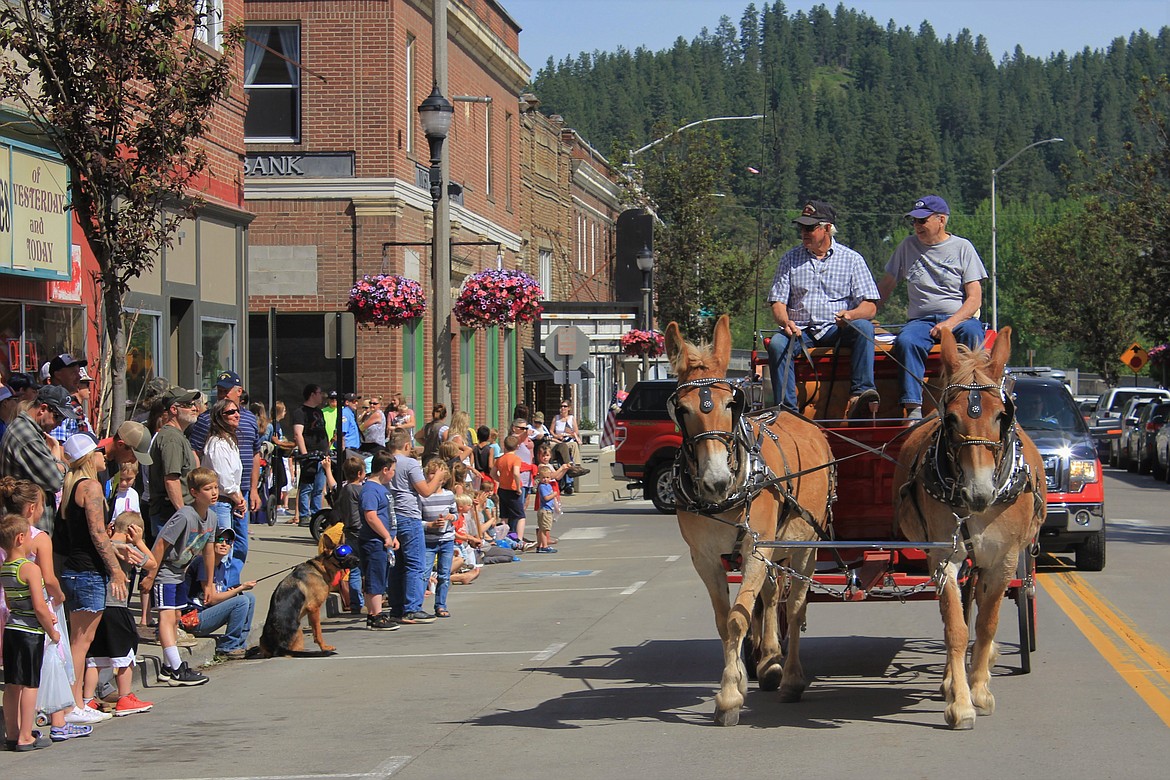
<point>823,294</point>
<point>351,436</point>
<point>172,458</point>
<point>944,282</point>
<point>28,452</point>
<point>229,386</point>
<point>66,371</point>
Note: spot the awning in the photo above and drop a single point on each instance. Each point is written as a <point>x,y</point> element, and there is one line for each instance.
<point>537,367</point>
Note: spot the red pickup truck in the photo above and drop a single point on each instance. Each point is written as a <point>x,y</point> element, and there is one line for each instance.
<point>646,442</point>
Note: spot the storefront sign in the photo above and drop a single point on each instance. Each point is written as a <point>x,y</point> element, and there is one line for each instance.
<point>34,216</point>
<point>327,165</point>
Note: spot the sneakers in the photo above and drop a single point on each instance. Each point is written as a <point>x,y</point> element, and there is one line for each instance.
<point>84,716</point>
<point>238,654</point>
<point>529,546</point>
<point>381,622</point>
<point>184,675</point>
<point>860,406</point>
<point>417,617</point>
<point>183,639</point>
<point>99,705</point>
<point>546,549</point>
<point>69,731</point>
<point>577,471</point>
<point>130,705</point>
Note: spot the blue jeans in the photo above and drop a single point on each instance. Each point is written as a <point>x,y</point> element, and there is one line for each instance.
<point>239,525</point>
<point>913,344</point>
<point>444,552</point>
<point>782,351</point>
<point>236,614</point>
<point>309,494</point>
<point>408,577</point>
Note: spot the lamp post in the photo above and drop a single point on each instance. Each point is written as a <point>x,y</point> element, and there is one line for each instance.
<point>652,144</point>
<point>994,235</point>
<point>435,114</point>
<point>645,260</point>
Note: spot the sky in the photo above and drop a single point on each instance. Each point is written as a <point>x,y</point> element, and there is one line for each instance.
<point>560,28</point>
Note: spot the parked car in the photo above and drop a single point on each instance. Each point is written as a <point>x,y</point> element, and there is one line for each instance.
<point>1140,454</point>
<point>1087,405</point>
<point>1120,448</point>
<point>1072,472</point>
<point>646,441</point>
<point>1105,424</point>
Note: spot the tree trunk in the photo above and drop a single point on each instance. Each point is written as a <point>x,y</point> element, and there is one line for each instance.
<point>115,342</point>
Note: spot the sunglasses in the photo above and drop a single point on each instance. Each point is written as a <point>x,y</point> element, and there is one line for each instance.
<point>809,228</point>
<point>921,220</point>
<point>221,540</point>
<point>231,411</point>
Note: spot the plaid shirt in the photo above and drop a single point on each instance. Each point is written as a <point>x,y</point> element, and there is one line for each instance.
<point>24,455</point>
<point>815,290</point>
<point>69,427</point>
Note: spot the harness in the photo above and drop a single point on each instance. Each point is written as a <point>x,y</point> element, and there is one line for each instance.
<point>941,474</point>
<point>744,443</point>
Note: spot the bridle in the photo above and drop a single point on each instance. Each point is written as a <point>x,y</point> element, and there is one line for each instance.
<point>734,440</point>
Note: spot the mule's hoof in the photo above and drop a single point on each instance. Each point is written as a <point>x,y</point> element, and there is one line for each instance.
<point>770,679</point>
<point>726,717</point>
<point>963,722</point>
<point>791,694</point>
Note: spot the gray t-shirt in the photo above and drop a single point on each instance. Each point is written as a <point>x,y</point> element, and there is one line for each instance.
<point>935,275</point>
<point>407,472</point>
<point>187,533</point>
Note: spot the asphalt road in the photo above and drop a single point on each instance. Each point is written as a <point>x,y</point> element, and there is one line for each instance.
<point>601,662</point>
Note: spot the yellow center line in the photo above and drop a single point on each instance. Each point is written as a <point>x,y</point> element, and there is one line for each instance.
<point>1141,663</point>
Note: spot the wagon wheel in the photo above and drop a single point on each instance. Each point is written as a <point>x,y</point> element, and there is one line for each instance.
<point>1026,610</point>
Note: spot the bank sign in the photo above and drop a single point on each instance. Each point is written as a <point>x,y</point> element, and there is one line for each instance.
<point>34,214</point>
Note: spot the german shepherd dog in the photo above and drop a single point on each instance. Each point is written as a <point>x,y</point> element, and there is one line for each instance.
<point>302,592</point>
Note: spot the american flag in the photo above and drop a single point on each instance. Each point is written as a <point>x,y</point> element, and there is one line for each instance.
<point>615,403</point>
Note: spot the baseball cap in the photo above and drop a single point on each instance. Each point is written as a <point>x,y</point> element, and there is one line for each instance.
<point>5,393</point>
<point>43,374</point>
<point>930,204</point>
<point>352,397</point>
<point>538,417</point>
<point>20,381</point>
<point>64,360</point>
<point>815,212</point>
<point>137,437</point>
<point>225,535</point>
<point>179,395</point>
<point>332,394</point>
<point>228,379</point>
<point>84,376</point>
<point>58,398</point>
<point>79,445</point>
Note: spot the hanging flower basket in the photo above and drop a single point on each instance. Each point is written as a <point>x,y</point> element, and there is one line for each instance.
<point>498,297</point>
<point>1160,354</point>
<point>643,343</point>
<point>387,299</point>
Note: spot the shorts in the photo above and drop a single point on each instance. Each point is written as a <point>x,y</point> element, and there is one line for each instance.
<point>116,639</point>
<point>85,591</point>
<point>24,652</point>
<point>171,595</point>
<point>375,567</point>
<point>511,505</point>
<point>544,519</point>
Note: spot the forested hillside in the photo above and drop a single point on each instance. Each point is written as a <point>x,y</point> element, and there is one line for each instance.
<point>869,116</point>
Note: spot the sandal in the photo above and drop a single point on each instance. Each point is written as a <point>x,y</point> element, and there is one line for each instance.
<point>439,612</point>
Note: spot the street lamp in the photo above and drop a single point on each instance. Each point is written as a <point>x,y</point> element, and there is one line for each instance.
<point>645,260</point>
<point>652,144</point>
<point>435,114</point>
<point>994,237</point>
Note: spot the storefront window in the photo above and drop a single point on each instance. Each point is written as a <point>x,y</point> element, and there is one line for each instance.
<point>219,352</point>
<point>34,334</point>
<point>141,352</point>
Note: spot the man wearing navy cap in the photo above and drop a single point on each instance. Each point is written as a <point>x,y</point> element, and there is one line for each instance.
<point>28,452</point>
<point>229,386</point>
<point>944,282</point>
<point>822,295</point>
<point>66,371</point>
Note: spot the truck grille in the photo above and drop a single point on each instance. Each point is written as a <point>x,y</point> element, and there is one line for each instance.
<point>1052,472</point>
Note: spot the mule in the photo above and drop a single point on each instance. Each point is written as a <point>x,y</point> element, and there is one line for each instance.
<point>971,475</point>
<point>742,477</point>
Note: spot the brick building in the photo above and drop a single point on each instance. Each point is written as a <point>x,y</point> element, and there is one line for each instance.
<point>184,314</point>
<point>336,172</point>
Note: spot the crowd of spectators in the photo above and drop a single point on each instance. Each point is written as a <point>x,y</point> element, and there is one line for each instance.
<point>162,508</point>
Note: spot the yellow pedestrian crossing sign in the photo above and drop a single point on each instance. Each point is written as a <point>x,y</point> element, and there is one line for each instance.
<point>1135,357</point>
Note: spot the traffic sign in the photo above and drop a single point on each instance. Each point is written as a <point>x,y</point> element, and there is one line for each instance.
<point>567,377</point>
<point>567,347</point>
<point>348,335</point>
<point>1135,357</point>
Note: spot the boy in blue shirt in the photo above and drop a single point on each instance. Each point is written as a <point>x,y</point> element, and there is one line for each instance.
<point>376,538</point>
